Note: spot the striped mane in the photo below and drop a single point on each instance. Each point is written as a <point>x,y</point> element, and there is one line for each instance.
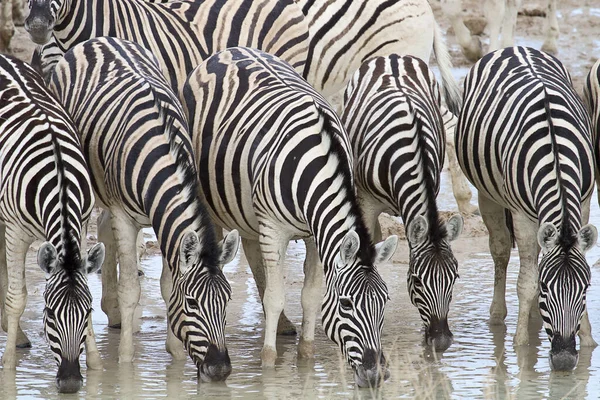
<point>202,224</point>
<point>366,252</point>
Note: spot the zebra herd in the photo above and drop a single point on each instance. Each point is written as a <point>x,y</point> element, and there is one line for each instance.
<point>192,116</point>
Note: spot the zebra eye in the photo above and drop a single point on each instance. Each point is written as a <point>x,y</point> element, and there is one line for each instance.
<point>192,303</point>
<point>346,303</point>
<point>49,312</point>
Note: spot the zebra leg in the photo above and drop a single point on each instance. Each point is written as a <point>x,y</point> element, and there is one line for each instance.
<point>499,240</point>
<point>460,185</point>
<point>253,255</point>
<point>585,330</point>
<point>173,345</point>
<point>22,340</point>
<point>7,27</point>
<point>16,294</point>
<point>110,301</point>
<point>494,15</point>
<point>510,22</point>
<point>312,295</point>
<point>551,30</point>
<point>527,284</point>
<point>92,356</point>
<point>129,284</point>
<point>470,45</point>
<point>273,247</point>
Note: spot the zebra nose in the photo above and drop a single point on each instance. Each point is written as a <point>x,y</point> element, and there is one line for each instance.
<point>69,379</point>
<point>216,366</point>
<point>563,353</point>
<point>373,370</point>
<point>438,334</point>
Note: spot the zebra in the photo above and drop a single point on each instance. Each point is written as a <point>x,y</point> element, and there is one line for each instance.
<point>523,140</point>
<point>46,193</point>
<point>277,165</point>
<point>135,139</point>
<point>345,33</point>
<point>179,33</point>
<point>392,116</point>
<point>501,17</point>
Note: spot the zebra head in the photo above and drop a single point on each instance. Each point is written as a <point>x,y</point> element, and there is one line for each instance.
<point>564,277</point>
<point>68,308</point>
<point>431,275</point>
<point>198,304</point>
<point>41,19</point>
<point>353,308</point>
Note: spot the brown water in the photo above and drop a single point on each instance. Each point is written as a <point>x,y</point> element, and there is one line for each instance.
<point>482,363</point>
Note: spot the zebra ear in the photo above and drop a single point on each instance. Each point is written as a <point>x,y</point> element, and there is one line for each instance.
<point>417,230</point>
<point>547,236</point>
<point>454,226</point>
<point>94,258</point>
<point>349,248</point>
<point>47,257</point>
<point>587,237</point>
<point>189,251</point>
<point>229,247</point>
<point>385,250</point>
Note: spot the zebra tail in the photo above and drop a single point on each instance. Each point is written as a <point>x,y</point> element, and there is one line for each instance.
<point>508,219</point>
<point>450,86</point>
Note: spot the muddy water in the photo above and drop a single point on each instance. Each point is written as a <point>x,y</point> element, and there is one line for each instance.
<point>482,363</point>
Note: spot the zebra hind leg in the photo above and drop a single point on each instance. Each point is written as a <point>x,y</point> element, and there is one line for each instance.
<point>22,340</point>
<point>16,295</point>
<point>253,255</point>
<point>110,301</point>
<point>125,234</point>
<point>527,284</point>
<point>311,299</point>
<point>500,244</point>
<point>273,248</point>
<point>173,345</point>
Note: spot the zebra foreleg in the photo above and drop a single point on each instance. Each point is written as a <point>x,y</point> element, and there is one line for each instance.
<point>551,30</point>
<point>470,44</point>
<point>500,243</point>
<point>510,22</point>
<point>92,356</point>
<point>273,248</point>
<point>527,284</point>
<point>16,294</point>
<point>254,257</point>
<point>129,285</point>
<point>110,301</point>
<point>585,332</point>
<point>173,345</point>
<point>22,340</point>
<point>312,295</point>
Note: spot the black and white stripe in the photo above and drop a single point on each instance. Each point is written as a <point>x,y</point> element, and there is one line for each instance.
<point>46,193</point>
<point>524,140</point>
<point>136,141</point>
<point>179,33</point>
<point>277,165</point>
<point>392,114</point>
<point>591,94</point>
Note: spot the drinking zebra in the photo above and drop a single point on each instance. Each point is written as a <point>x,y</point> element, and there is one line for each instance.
<point>136,141</point>
<point>46,193</point>
<point>523,139</point>
<point>180,34</point>
<point>392,115</point>
<point>277,165</point>
<point>344,34</point>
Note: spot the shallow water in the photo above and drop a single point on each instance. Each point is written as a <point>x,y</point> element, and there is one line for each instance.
<point>482,363</point>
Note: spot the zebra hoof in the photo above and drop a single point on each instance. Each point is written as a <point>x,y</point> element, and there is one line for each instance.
<point>268,355</point>
<point>141,273</point>
<point>306,348</point>
<point>115,326</point>
<point>25,345</point>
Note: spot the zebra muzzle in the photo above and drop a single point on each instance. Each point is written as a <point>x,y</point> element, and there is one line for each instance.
<point>216,366</point>
<point>69,379</point>
<point>563,354</point>
<point>373,371</point>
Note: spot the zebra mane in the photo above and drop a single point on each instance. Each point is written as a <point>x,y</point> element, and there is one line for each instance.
<point>567,237</point>
<point>437,229</point>
<point>366,252</point>
<point>69,255</point>
<point>203,225</point>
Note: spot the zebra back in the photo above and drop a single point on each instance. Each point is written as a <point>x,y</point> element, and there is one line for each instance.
<point>180,33</point>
